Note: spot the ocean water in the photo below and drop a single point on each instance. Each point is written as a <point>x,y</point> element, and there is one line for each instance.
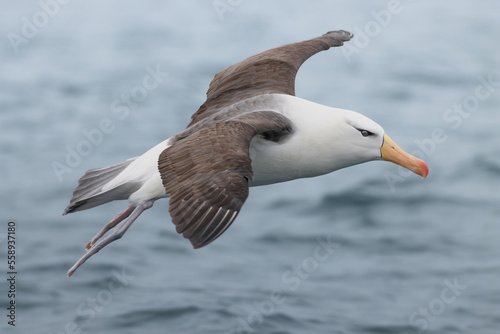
<point>368,249</point>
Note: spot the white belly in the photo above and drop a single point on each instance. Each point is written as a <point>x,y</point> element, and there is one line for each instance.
<point>144,172</point>
<point>280,162</point>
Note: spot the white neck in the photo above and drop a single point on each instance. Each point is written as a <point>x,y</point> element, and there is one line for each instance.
<point>315,148</point>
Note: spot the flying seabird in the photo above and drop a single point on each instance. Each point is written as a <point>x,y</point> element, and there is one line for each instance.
<point>252,130</point>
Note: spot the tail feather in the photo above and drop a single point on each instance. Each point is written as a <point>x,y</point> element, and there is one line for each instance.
<point>89,193</point>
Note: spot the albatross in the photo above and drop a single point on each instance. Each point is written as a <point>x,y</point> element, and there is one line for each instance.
<point>252,130</point>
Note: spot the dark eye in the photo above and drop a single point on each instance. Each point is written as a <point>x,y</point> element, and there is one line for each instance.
<point>366,133</point>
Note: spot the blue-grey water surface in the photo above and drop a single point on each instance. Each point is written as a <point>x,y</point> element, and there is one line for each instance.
<point>368,249</point>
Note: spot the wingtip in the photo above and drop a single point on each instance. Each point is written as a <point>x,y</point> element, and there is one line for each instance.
<point>343,34</point>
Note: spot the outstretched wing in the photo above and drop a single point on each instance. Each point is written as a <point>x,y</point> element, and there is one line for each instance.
<point>272,71</point>
<point>206,172</point>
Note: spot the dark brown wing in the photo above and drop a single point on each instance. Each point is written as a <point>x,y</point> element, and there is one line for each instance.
<point>272,71</point>
<point>206,172</point>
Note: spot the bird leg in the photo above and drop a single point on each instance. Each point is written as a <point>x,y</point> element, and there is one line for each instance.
<point>110,225</point>
<point>127,217</point>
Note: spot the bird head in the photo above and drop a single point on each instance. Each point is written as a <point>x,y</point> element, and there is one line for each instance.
<point>373,143</point>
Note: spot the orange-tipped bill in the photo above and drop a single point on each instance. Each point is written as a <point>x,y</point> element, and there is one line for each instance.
<point>393,153</point>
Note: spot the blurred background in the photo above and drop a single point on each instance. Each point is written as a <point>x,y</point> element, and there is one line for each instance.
<point>368,249</point>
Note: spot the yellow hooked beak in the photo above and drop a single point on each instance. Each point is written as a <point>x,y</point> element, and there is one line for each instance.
<point>391,152</point>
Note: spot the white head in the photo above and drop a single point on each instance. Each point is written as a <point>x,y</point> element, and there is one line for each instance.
<point>359,138</point>
<point>364,140</point>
